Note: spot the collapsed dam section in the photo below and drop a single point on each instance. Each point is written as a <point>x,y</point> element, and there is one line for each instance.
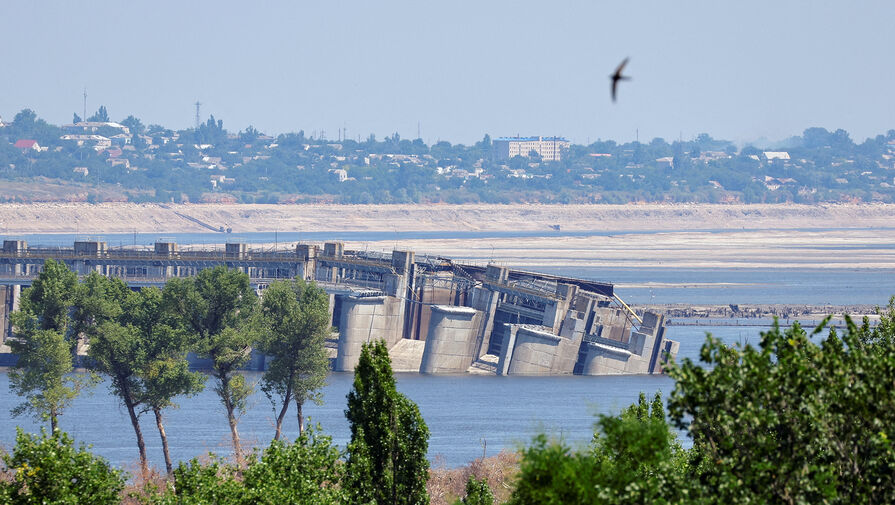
<point>436,315</point>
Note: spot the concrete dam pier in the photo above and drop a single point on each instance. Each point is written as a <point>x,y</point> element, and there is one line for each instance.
<point>436,315</point>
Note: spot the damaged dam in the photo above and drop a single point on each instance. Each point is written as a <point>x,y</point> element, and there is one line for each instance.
<point>437,316</point>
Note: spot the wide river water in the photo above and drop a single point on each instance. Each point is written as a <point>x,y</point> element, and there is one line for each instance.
<point>461,411</point>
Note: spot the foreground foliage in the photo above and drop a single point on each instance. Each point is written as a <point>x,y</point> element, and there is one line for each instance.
<point>304,472</point>
<point>49,469</point>
<point>634,458</point>
<point>389,439</point>
<point>794,421</point>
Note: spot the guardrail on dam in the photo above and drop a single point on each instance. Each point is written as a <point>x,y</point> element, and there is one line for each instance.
<point>436,315</point>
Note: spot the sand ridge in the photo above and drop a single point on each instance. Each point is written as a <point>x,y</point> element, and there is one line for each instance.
<point>148,218</point>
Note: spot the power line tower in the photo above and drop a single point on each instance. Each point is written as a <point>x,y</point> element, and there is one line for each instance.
<point>198,119</point>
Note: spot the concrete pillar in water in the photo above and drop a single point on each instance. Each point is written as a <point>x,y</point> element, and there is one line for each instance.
<point>606,359</point>
<point>539,352</point>
<point>450,343</point>
<point>363,319</point>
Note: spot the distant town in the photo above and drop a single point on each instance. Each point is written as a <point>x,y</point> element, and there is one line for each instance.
<point>96,159</point>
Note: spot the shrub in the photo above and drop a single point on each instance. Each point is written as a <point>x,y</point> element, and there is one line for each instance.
<point>49,469</point>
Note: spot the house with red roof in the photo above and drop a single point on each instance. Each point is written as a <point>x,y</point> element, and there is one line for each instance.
<point>26,144</point>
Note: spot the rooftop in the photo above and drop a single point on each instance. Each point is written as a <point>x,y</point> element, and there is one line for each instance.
<point>531,139</point>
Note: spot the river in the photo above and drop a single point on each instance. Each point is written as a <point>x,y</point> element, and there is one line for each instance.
<point>460,410</point>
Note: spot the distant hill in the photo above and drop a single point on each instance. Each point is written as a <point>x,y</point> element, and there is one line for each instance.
<point>99,160</point>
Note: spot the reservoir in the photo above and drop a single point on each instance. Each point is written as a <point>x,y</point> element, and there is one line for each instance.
<point>463,412</point>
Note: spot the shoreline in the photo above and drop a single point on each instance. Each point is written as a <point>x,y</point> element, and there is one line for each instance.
<point>161,218</point>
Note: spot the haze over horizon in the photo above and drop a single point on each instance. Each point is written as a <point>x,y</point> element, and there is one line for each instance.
<point>460,70</point>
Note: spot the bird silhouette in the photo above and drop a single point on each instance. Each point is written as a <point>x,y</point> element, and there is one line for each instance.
<point>617,76</point>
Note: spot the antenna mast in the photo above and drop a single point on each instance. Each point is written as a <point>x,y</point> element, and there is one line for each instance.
<point>85,104</point>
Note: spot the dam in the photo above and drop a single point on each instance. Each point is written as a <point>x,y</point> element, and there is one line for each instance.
<point>437,316</point>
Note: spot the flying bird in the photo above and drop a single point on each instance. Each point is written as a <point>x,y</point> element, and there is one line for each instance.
<point>617,76</point>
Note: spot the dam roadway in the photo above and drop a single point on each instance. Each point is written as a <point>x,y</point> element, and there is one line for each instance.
<point>444,316</point>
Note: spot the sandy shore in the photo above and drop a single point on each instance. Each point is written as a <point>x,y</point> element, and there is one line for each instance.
<point>129,217</point>
<point>660,235</point>
<point>841,248</point>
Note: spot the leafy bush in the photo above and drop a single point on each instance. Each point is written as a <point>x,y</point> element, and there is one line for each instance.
<point>477,492</point>
<point>304,472</point>
<point>49,469</point>
<point>794,421</point>
<point>634,458</point>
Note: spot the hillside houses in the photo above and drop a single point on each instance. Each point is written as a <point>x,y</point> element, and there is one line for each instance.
<point>28,145</point>
<point>97,142</point>
<point>87,127</point>
<point>249,166</point>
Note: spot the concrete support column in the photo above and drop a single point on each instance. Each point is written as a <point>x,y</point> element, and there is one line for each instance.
<point>363,319</point>
<point>485,301</point>
<point>450,343</point>
<point>506,348</point>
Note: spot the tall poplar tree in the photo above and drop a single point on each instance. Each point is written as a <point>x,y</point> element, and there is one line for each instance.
<point>389,439</point>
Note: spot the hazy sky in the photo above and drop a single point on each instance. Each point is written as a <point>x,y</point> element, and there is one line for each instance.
<point>736,70</point>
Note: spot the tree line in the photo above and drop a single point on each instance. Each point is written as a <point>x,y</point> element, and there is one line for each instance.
<point>139,340</point>
<point>804,416</point>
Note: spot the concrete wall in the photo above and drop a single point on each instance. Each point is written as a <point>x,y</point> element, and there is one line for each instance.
<point>451,339</point>
<point>602,359</point>
<point>640,353</point>
<point>539,352</point>
<point>485,301</point>
<point>365,319</point>
<point>611,323</point>
<point>5,309</point>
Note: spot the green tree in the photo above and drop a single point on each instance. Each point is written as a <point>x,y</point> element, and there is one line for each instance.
<point>793,421</point>
<point>49,469</point>
<point>634,458</point>
<point>133,124</point>
<point>389,439</point>
<point>296,324</point>
<point>217,308</point>
<point>44,345</point>
<point>117,349</point>
<point>42,375</point>
<point>304,472</point>
<point>165,373</point>
<point>101,115</point>
<point>477,492</point>
<point>307,471</point>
